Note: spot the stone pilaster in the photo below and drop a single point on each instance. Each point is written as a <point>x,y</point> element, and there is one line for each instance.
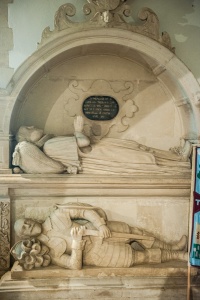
<point>6,42</point>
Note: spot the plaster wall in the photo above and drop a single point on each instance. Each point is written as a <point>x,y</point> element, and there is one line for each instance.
<point>6,42</point>
<point>179,18</point>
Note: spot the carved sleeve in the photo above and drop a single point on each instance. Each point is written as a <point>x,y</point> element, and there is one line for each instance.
<point>90,215</point>
<point>82,140</point>
<point>43,140</point>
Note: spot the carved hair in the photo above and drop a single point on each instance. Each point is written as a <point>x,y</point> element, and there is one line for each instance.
<point>31,254</point>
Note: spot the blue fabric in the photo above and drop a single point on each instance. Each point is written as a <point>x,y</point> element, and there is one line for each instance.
<point>195,243</point>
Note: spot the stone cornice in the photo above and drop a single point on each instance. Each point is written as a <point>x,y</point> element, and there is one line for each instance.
<point>90,185</point>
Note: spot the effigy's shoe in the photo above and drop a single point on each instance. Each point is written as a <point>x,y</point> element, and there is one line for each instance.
<point>181,245</point>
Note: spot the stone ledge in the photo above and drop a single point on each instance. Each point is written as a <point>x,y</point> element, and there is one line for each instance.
<point>5,171</point>
<point>164,281</point>
<point>170,269</point>
<point>91,185</point>
<point>155,282</point>
<point>139,180</point>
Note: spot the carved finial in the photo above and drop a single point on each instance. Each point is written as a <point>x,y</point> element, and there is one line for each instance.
<point>107,11</point>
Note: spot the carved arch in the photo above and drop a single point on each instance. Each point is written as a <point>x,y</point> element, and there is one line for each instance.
<point>165,65</point>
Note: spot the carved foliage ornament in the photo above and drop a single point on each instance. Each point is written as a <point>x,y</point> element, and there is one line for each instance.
<point>4,235</point>
<point>108,13</point>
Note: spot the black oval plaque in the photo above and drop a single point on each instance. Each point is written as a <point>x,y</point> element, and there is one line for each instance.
<point>100,108</point>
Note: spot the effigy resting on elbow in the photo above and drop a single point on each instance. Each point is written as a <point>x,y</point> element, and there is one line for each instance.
<point>76,235</point>
<point>39,153</point>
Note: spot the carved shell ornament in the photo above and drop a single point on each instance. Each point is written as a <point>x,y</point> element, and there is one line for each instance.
<point>109,14</point>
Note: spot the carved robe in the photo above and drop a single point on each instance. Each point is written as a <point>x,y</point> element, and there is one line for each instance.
<point>114,156</point>
<point>108,156</point>
<point>63,149</point>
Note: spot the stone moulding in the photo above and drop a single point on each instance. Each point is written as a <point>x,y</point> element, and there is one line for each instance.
<point>108,14</point>
<point>82,185</point>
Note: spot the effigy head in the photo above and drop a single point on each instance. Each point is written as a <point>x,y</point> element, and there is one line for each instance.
<point>31,254</point>
<point>27,228</point>
<point>29,134</point>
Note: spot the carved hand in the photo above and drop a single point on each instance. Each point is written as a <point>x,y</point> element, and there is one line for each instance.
<point>77,233</point>
<point>104,231</point>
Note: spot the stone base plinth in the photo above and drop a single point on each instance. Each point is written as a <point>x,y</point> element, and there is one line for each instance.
<point>155,282</point>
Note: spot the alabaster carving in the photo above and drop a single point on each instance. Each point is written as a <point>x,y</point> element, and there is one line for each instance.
<point>111,14</point>
<point>76,235</point>
<point>4,235</point>
<point>37,152</point>
<point>59,155</point>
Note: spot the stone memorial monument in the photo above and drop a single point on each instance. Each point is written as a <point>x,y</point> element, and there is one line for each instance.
<point>96,140</point>
<point>62,241</point>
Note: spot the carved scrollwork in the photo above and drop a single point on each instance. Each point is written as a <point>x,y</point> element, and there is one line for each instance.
<point>61,20</point>
<point>4,235</point>
<point>151,24</point>
<point>151,27</point>
<point>122,91</point>
<point>87,9</point>
<point>109,13</point>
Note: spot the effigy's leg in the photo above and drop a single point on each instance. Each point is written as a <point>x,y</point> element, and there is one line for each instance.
<point>181,245</point>
<point>156,256</point>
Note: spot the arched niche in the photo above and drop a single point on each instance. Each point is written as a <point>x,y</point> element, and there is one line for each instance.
<point>159,100</point>
<point>41,82</point>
